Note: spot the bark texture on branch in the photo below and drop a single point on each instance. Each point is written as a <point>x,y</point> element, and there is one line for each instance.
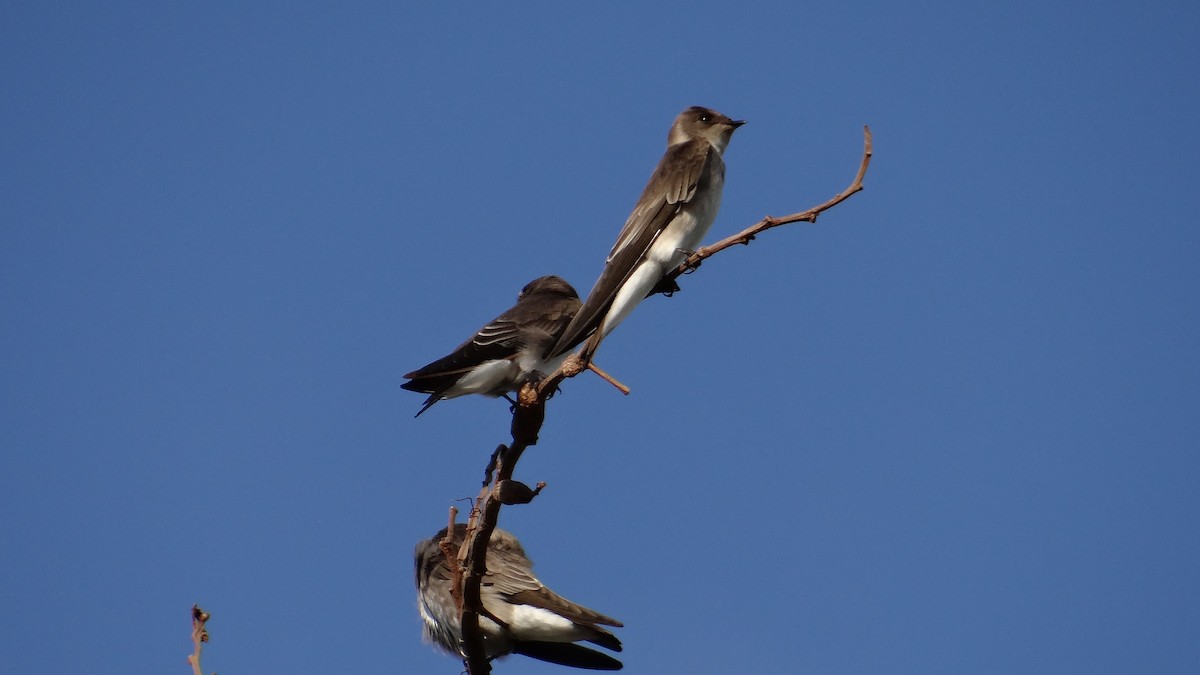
<point>199,637</point>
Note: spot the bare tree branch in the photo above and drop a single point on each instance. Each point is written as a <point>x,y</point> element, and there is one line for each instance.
<point>747,235</point>
<point>447,547</point>
<point>530,413</point>
<point>607,378</point>
<point>199,636</point>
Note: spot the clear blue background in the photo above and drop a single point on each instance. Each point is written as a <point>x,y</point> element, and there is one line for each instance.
<point>950,428</point>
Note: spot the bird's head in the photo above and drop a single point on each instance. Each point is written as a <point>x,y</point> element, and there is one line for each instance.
<point>700,122</point>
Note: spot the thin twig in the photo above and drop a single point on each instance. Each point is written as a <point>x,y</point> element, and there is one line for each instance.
<point>608,378</point>
<point>747,235</point>
<point>447,547</point>
<point>199,637</point>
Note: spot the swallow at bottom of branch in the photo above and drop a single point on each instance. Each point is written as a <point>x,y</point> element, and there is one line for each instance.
<point>520,615</point>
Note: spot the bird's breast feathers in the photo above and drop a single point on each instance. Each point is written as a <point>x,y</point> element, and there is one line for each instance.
<point>689,226</point>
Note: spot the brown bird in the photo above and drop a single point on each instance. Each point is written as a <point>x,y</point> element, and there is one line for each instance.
<point>521,616</point>
<point>674,213</point>
<point>507,352</point>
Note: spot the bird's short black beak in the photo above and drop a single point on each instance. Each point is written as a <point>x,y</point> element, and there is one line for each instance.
<point>736,123</point>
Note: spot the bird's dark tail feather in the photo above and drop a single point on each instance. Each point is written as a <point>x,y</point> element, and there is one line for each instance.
<point>433,398</point>
<point>567,654</point>
<point>606,639</point>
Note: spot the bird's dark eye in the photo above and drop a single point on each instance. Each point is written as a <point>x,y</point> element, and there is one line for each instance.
<point>705,117</point>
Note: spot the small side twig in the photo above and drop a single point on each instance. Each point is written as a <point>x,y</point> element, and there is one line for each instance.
<point>447,547</point>
<point>199,637</point>
<point>607,378</point>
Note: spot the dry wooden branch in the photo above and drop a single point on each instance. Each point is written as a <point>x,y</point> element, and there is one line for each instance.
<point>810,216</point>
<point>530,411</point>
<point>446,545</point>
<point>607,378</point>
<point>199,636</point>
<point>528,415</point>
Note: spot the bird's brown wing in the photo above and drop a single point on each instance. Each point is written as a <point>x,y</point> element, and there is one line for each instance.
<point>671,186</point>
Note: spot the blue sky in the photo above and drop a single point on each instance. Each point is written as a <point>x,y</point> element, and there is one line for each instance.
<point>949,428</point>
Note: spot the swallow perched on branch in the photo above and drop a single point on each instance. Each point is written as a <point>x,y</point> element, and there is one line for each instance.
<point>509,351</point>
<point>674,213</point>
<point>520,615</point>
